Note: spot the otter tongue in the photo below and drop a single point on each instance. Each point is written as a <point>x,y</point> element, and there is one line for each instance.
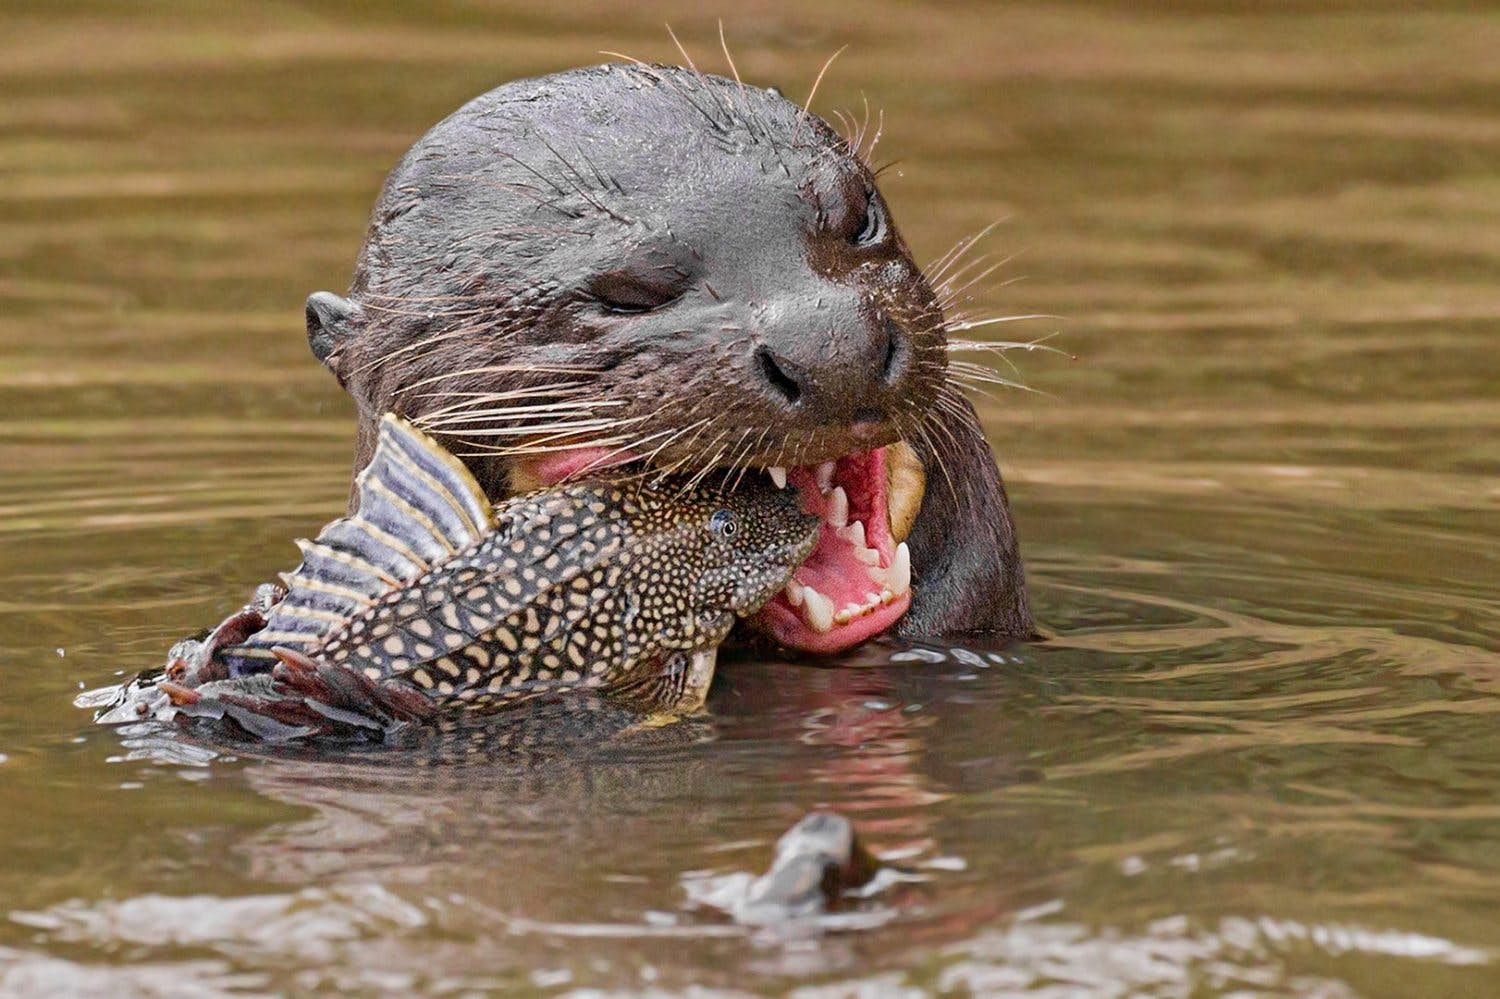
<point>855,584</point>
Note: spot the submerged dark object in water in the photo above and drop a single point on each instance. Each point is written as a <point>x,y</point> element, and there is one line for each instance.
<point>428,599</point>
<point>818,861</point>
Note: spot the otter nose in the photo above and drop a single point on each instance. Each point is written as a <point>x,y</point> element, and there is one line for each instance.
<point>784,377</point>
<point>849,385</point>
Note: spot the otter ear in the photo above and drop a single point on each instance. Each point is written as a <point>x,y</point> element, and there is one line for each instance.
<point>330,324</point>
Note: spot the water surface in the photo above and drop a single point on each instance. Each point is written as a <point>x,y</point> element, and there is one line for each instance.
<point>1260,754</point>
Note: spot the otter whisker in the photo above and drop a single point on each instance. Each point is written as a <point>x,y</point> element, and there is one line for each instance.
<point>688,450</point>
<point>470,409</point>
<point>807,104</point>
<point>973,375</point>
<point>960,325</point>
<point>554,396</point>
<point>949,288</point>
<point>525,190</point>
<point>559,389</point>
<point>950,303</point>
<point>647,69</point>
<point>492,417</point>
<point>956,252</point>
<point>1001,348</point>
<point>571,440</point>
<point>631,447</point>
<point>968,421</point>
<point>417,345</point>
<point>997,349</point>
<point>710,464</point>
<point>495,451</point>
<point>580,183</point>
<point>868,154</point>
<point>734,70</point>
<point>569,427</point>
<point>508,155</point>
<point>739,455</point>
<point>500,369</point>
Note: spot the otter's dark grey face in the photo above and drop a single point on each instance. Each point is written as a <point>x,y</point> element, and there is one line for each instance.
<point>646,263</point>
<point>666,262</point>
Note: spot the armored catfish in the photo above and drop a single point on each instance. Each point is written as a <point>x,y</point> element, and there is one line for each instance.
<point>428,598</point>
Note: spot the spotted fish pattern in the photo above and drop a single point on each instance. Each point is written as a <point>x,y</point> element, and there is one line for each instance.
<point>626,588</point>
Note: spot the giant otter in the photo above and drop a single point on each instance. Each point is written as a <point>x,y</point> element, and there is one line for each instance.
<point>651,264</point>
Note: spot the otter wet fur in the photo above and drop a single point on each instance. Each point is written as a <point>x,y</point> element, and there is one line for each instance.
<point>428,599</point>
<point>648,263</point>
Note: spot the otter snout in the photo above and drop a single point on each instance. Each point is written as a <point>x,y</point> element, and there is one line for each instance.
<point>843,362</point>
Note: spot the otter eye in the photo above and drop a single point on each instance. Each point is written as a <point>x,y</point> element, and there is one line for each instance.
<point>724,524</point>
<point>624,294</point>
<point>873,230</point>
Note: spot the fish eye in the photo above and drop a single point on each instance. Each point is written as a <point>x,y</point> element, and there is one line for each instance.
<point>724,524</point>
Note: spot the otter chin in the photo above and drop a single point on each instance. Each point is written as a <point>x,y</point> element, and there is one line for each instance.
<point>646,270</point>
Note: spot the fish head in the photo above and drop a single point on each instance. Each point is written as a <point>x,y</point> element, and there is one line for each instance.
<point>727,552</point>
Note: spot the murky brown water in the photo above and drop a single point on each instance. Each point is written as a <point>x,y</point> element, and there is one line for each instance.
<point>1261,512</point>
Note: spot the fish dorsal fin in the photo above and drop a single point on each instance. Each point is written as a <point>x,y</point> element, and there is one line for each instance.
<point>417,507</point>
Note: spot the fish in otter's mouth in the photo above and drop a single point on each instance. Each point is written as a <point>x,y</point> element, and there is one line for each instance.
<point>856,582</point>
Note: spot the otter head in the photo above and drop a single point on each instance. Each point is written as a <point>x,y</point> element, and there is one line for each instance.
<point>646,264</point>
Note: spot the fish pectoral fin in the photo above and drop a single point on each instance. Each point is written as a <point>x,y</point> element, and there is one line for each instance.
<point>417,507</point>
<point>675,682</point>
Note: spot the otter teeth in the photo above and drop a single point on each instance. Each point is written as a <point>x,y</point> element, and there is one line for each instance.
<point>872,601</point>
<point>854,534</point>
<point>893,581</point>
<point>817,609</point>
<point>825,476</point>
<point>838,507</point>
<point>899,574</point>
<point>778,476</point>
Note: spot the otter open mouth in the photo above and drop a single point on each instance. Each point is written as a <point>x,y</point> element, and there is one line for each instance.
<point>856,583</point>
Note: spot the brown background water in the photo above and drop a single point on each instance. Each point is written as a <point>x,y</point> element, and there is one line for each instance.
<point>1260,511</point>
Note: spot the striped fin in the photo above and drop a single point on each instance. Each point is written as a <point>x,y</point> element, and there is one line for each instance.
<point>418,507</point>
<point>674,681</point>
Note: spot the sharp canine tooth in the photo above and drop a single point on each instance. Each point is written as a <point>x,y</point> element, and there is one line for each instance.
<point>899,574</point>
<point>794,593</point>
<point>906,481</point>
<point>838,507</point>
<point>854,534</point>
<point>817,609</point>
<point>778,476</point>
<point>825,476</point>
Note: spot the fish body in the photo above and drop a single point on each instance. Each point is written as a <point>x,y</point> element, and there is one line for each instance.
<point>429,598</point>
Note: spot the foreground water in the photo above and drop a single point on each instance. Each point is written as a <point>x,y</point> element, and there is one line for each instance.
<point>1259,754</point>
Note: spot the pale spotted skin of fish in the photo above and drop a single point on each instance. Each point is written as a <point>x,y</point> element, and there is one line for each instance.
<point>624,588</point>
<point>613,579</point>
